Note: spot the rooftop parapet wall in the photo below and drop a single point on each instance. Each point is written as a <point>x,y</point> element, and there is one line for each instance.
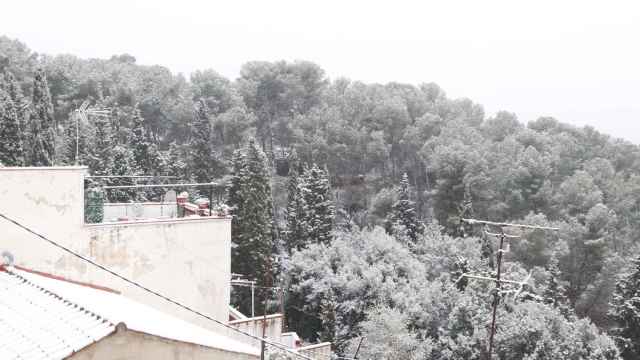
<point>46,193</point>
<point>187,259</point>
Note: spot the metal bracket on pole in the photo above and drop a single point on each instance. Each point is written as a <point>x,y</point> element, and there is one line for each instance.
<point>81,114</point>
<point>502,236</point>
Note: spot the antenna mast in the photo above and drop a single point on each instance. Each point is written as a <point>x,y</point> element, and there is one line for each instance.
<point>81,114</point>
<point>502,236</point>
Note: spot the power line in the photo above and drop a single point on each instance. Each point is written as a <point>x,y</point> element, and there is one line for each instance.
<point>165,298</point>
<point>502,224</point>
<point>502,236</point>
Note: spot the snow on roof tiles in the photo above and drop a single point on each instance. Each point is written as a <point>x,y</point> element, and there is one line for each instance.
<point>23,294</point>
<point>38,324</point>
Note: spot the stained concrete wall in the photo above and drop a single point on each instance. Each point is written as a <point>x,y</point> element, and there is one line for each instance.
<point>188,260</point>
<point>131,345</point>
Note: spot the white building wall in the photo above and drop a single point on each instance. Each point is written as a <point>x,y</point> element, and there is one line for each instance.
<point>114,211</point>
<point>188,260</point>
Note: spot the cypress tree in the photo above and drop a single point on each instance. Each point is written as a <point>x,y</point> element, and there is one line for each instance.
<point>318,203</point>
<point>403,211</point>
<point>204,166</point>
<point>11,151</point>
<point>625,312</point>
<point>146,155</point>
<point>251,204</point>
<point>174,163</point>
<point>296,230</point>
<point>146,158</point>
<point>122,164</point>
<point>11,86</point>
<point>42,123</point>
<point>100,157</point>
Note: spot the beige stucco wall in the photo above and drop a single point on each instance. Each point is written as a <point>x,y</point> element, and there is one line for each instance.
<point>131,345</point>
<point>188,260</point>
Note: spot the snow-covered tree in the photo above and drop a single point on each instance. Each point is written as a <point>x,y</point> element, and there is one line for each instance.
<point>388,337</point>
<point>251,205</point>
<point>403,211</point>
<point>100,156</point>
<point>42,123</point>
<point>318,204</point>
<point>9,84</point>
<point>296,230</point>
<point>11,150</point>
<point>235,186</point>
<point>625,312</point>
<point>174,161</point>
<point>554,292</point>
<point>146,155</point>
<point>121,164</point>
<point>204,166</point>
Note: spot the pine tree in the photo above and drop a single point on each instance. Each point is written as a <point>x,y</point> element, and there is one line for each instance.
<point>174,163</point>
<point>296,230</point>
<point>146,155</point>
<point>42,123</point>
<point>554,293</point>
<point>100,157</point>
<point>122,164</point>
<point>251,205</point>
<point>625,312</point>
<point>318,203</point>
<point>403,211</point>
<point>11,86</point>
<point>234,189</point>
<point>204,167</point>
<point>11,151</point>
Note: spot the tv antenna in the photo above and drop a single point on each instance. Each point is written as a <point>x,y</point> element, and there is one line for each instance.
<point>502,236</point>
<point>81,114</point>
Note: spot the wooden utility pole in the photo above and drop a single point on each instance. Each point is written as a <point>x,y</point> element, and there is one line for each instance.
<point>496,294</point>
<point>502,236</point>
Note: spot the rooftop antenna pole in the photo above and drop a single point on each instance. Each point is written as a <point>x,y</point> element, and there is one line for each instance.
<point>81,114</point>
<point>498,290</point>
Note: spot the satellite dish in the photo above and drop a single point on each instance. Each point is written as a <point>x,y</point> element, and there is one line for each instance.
<point>7,258</point>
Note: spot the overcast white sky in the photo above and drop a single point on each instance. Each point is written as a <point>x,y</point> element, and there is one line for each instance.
<point>578,61</point>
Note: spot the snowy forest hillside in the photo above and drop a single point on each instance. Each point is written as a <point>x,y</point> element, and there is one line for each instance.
<point>350,196</point>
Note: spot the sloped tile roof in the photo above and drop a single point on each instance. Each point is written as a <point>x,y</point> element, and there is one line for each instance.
<point>38,324</point>
<point>46,319</point>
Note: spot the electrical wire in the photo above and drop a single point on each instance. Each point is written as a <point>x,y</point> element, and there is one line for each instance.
<point>155,293</point>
